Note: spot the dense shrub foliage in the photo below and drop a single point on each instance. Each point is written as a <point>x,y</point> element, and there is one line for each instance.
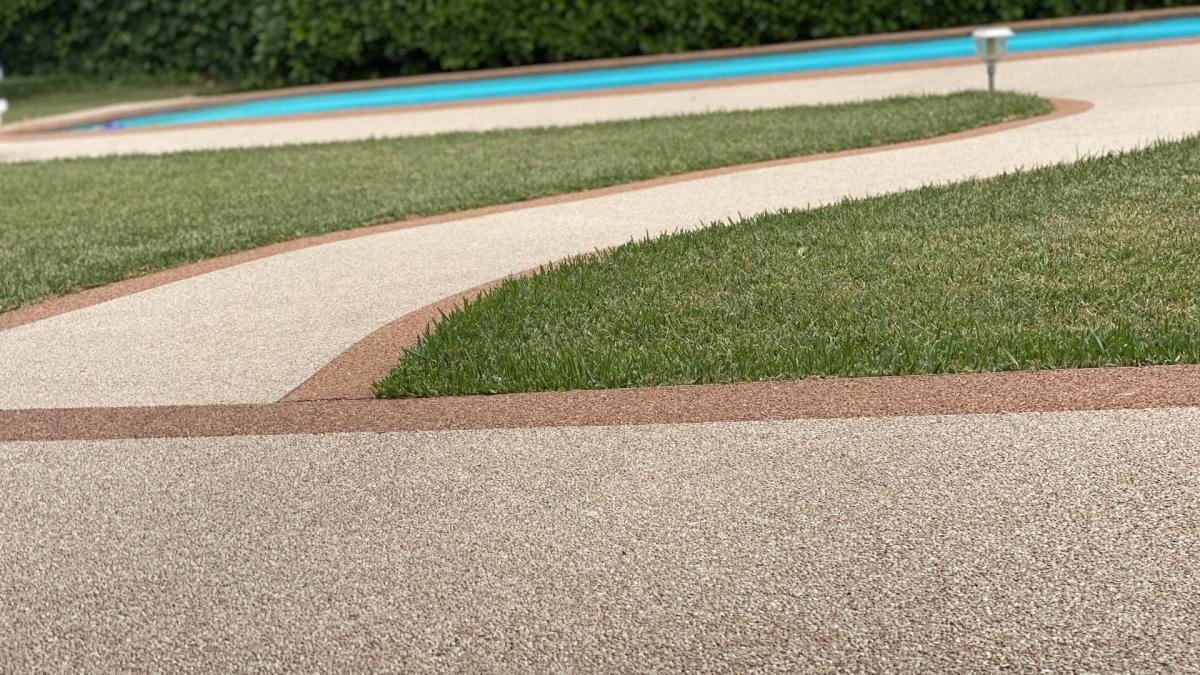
<point>299,41</point>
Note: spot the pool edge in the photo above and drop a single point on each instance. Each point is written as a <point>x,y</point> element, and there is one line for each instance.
<point>52,128</point>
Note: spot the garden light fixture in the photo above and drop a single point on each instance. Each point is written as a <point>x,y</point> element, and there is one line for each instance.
<point>991,44</point>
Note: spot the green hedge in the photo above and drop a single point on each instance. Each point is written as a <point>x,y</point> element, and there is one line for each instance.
<point>299,41</point>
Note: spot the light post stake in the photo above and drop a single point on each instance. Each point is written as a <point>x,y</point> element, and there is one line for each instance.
<point>991,44</point>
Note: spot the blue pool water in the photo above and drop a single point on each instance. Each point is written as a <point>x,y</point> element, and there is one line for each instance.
<point>667,73</point>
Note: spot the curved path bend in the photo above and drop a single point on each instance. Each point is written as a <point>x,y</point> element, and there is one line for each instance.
<point>254,332</point>
<point>897,540</point>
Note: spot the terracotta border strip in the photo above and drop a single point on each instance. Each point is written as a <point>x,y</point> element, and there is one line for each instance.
<point>94,296</point>
<point>51,128</point>
<point>351,374</point>
<point>1036,391</point>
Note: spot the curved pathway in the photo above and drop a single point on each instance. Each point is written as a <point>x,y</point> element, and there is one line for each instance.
<point>902,541</point>
<point>254,332</point>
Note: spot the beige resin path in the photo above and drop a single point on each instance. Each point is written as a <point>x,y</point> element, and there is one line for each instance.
<point>253,332</point>
<point>1063,542</point>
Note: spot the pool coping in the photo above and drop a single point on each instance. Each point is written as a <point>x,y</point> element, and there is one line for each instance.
<point>70,302</point>
<point>51,128</point>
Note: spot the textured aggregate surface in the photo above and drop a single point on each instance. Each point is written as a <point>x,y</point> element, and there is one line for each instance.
<point>1051,541</point>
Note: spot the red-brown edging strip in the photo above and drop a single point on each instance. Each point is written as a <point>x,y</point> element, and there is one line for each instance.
<point>1038,391</point>
<point>50,129</point>
<point>87,298</point>
<point>351,374</point>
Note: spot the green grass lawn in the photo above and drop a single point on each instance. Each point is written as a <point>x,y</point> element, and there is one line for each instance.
<point>67,225</point>
<point>1092,264</point>
<point>31,97</point>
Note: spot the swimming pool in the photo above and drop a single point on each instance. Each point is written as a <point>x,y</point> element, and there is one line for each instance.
<point>667,73</point>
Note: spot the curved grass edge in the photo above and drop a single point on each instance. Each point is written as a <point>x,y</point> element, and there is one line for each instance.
<point>1089,264</point>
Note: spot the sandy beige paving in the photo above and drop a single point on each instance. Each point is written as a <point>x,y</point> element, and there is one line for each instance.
<point>253,332</point>
<point>1060,541</point>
